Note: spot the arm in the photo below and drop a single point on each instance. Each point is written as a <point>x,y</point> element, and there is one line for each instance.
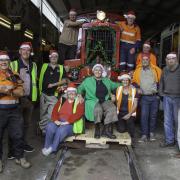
<point>79,113</point>
<point>161,85</point>
<point>81,88</point>
<point>18,91</point>
<point>138,38</point>
<point>73,24</point>
<point>55,113</point>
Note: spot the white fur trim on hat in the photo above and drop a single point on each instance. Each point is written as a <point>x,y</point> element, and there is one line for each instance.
<point>54,53</point>
<point>4,56</point>
<point>24,46</point>
<point>71,89</point>
<point>124,76</point>
<point>97,65</point>
<point>129,16</point>
<point>171,55</point>
<point>147,45</point>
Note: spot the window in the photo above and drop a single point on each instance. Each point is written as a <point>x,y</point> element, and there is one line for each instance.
<point>49,13</point>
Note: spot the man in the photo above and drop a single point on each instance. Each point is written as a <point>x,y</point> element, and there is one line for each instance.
<point>129,42</point>
<point>50,78</point>
<point>146,51</point>
<point>28,73</point>
<point>10,116</point>
<point>67,119</point>
<point>69,37</point>
<point>147,77</point>
<point>170,90</point>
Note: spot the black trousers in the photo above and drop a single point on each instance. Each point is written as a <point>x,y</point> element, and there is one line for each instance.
<point>66,52</point>
<point>125,125</point>
<point>13,121</point>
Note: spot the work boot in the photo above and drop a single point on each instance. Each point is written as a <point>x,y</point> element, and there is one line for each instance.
<point>23,163</point>
<point>167,145</point>
<point>28,148</point>
<point>1,166</point>
<point>97,132</point>
<point>11,156</point>
<point>143,139</point>
<point>107,132</point>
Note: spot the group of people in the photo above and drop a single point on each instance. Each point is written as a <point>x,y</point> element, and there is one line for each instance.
<point>64,107</point>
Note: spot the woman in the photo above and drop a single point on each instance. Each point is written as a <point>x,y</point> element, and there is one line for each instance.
<point>97,91</point>
<point>126,99</point>
<point>67,120</point>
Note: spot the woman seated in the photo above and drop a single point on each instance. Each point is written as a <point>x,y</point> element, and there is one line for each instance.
<point>98,106</point>
<point>66,116</point>
<point>126,100</point>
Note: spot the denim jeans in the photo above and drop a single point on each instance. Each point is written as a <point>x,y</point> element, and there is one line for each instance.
<point>171,106</point>
<point>56,135</point>
<point>149,110</point>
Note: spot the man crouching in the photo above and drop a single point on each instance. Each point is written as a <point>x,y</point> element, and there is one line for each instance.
<point>66,121</point>
<point>10,116</point>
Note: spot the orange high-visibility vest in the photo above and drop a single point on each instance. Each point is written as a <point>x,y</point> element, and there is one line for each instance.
<point>131,97</point>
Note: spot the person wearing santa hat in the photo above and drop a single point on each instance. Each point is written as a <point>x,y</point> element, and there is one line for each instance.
<point>28,73</point>
<point>69,37</point>
<point>129,42</point>
<point>66,120</point>
<point>126,101</point>
<point>97,90</point>
<point>11,90</point>
<point>52,75</point>
<point>170,91</point>
<point>147,51</point>
<point>147,77</point>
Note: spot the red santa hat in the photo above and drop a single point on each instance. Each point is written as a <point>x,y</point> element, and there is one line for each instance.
<point>71,87</point>
<point>26,45</point>
<point>147,44</point>
<point>4,55</point>
<point>52,53</point>
<point>171,55</point>
<point>130,14</point>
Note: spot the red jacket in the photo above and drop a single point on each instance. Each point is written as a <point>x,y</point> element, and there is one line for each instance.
<point>74,117</point>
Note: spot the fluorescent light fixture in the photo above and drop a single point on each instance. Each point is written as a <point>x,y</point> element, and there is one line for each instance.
<point>43,42</point>
<point>28,34</point>
<point>5,22</point>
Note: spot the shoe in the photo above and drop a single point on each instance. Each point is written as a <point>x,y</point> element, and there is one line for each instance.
<point>166,145</point>
<point>10,156</point>
<point>143,139</point>
<point>47,151</point>
<point>152,137</point>
<point>23,163</point>
<point>28,148</point>
<point>97,133</point>
<point>1,166</point>
<point>107,132</point>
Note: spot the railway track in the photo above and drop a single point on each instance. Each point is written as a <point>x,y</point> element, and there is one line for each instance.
<point>125,154</point>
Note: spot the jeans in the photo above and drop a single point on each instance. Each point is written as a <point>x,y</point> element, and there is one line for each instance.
<point>171,106</point>
<point>149,110</point>
<point>12,119</point>
<point>126,58</point>
<point>56,135</point>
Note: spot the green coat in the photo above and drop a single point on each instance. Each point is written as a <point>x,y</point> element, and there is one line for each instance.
<point>88,88</point>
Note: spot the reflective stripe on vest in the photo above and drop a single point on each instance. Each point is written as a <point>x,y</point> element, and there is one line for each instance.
<point>14,67</point>
<point>43,70</point>
<point>131,98</point>
<point>78,125</point>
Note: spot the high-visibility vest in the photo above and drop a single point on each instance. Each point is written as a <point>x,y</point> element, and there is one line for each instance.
<point>78,125</point>
<point>15,67</point>
<point>41,78</point>
<point>131,98</point>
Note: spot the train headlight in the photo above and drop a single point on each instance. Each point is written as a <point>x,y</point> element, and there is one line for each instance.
<point>101,15</point>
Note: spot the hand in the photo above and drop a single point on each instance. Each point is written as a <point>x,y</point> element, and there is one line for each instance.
<point>80,98</point>
<point>132,50</point>
<point>139,91</point>
<point>5,90</point>
<point>113,98</point>
<point>50,85</point>
<point>127,116</point>
<point>58,123</point>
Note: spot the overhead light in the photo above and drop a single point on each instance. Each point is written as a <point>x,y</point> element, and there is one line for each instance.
<point>28,34</point>
<point>5,22</point>
<point>43,42</point>
<point>101,15</point>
